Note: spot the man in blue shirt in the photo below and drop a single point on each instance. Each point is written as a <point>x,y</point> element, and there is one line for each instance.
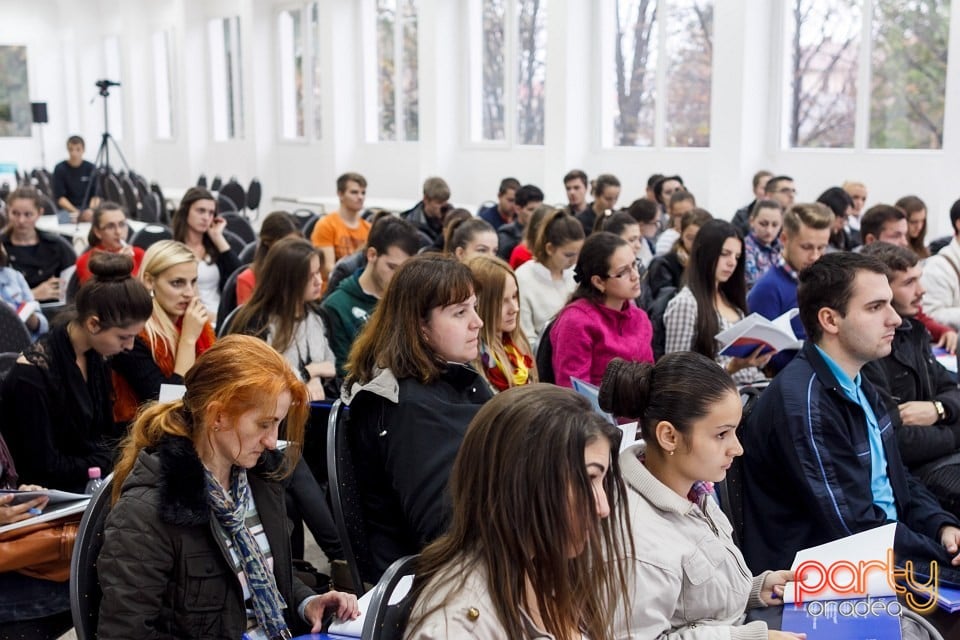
<point>821,459</point>
<point>505,210</point>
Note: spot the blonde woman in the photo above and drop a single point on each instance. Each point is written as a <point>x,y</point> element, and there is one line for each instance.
<point>177,332</point>
<point>506,359</point>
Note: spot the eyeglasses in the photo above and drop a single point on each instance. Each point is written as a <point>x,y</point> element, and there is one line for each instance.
<point>114,226</point>
<point>626,271</point>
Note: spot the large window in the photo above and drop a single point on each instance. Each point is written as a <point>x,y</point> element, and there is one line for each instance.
<point>163,98</point>
<point>866,73</point>
<point>662,54</point>
<point>290,30</point>
<point>397,89</point>
<point>226,73</point>
<point>509,58</point>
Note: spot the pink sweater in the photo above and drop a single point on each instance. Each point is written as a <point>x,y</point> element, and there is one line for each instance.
<point>587,336</point>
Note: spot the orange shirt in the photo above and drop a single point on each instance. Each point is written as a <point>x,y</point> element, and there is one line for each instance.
<point>332,231</point>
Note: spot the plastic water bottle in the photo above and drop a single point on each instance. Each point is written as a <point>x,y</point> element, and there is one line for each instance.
<point>94,482</point>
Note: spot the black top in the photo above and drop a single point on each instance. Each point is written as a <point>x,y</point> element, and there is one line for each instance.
<point>141,371</point>
<point>57,424</point>
<point>72,183</point>
<point>39,262</point>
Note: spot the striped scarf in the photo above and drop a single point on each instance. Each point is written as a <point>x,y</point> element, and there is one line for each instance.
<point>267,602</point>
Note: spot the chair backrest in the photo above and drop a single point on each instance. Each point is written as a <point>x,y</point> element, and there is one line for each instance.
<point>73,286</point>
<point>486,204</point>
<point>236,242</point>
<point>202,180</point>
<point>225,204</point>
<point>7,360</point>
<point>14,336</point>
<point>223,324</point>
<point>545,355</point>
<point>240,226</point>
<point>939,243</point>
<point>235,192</point>
<point>344,493</point>
<point>304,217</point>
<point>149,234</point>
<point>85,593</point>
<point>730,491</point>
<point>216,184</point>
<point>254,191</point>
<point>385,621</point>
<point>131,199</point>
<point>246,256</point>
<point>228,297</point>
<point>110,189</point>
<point>309,225</point>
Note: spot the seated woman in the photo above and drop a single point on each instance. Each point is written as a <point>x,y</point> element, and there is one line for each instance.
<point>276,226</point>
<point>412,393</point>
<point>39,255</point>
<point>713,300</point>
<point>530,542</point>
<point>841,237</point>
<point>601,321</point>
<point>108,232</point>
<point>196,543</point>
<point>470,237</point>
<point>547,281</point>
<point>624,225</point>
<point>177,332</point>
<point>15,291</point>
<point>197,225</point>
<point>667,270</point>
<point>916,210</point>
<point>284,313</point>
<point>762,245</point>
<point>56,412</point>
<point>686,576</point>
<point>505,356</point>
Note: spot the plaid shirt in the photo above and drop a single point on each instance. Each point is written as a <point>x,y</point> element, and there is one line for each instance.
<point>759,258</point>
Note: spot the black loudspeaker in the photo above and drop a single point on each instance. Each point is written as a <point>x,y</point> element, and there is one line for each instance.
<point>39,110</point>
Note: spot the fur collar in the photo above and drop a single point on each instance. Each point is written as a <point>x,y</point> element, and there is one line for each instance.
<point>181,482</point>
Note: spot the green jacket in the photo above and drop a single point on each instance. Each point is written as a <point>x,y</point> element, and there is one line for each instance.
<point>347,309</point>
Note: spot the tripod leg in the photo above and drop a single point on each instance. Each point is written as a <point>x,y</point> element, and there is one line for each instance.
<point>116,146</point>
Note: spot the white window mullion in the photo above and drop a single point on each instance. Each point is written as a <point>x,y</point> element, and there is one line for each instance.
<point>861,126</point>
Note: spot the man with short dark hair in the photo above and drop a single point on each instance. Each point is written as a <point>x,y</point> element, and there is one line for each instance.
<point>72,191</point>
<point>883,223</point>
<point>781,189</point>
<point>575,183</point>
<point>679,204</point>
<point>922,397</point>
<point>391,242</point>
<point>741,219</point>
<point>428,214</point>
<point>527,200</point>
<point>820,454</point>
<point>505,211</point>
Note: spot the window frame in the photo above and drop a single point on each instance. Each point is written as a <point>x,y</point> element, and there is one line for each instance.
<point>371,65</point>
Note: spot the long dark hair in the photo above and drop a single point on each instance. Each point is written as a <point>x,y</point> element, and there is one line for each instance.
<point>522,500</point>
<point>701,278</point>
<point>276,226</point>
<point>594,260</point>
<point>179,221</point>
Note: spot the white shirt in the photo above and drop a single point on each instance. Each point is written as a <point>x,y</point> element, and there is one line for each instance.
<point>541,297</point>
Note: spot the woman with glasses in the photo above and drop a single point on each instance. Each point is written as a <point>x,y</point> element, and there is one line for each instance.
<point>601,322</point>
<point>108,232</point>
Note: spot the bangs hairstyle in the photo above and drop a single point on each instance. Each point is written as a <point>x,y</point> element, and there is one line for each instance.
<point>517,516</point>
<point>393,337</point>
<point>594,260</point>
<point>489,276</point>
<point>163,255</point>
<point>557,229</point>
<point>277,297</point>
<point>23,193</point>
<point>236,375</point>
<point>113,295</point>
<point>179,222</point>
<point>701,276</point>
<point>663,392</point>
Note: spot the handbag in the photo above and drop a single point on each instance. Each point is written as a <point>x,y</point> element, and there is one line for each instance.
<point>42,550</point>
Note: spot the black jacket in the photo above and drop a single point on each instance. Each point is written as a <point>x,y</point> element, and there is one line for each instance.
<point>163,571</point>
<point>403,450</point>
<point>911,373</point>
<point>807,471</point>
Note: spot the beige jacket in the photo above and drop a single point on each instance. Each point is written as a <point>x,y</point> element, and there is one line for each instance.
<point>688,579</point>
<point>469,613</point>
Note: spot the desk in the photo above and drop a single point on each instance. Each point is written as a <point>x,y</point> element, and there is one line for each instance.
<point>76,232</point>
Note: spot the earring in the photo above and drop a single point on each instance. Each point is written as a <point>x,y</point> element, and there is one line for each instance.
<point>672,452</point>
<point>218,429</point>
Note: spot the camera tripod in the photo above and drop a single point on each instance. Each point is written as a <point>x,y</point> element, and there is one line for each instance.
<point>102,161</point>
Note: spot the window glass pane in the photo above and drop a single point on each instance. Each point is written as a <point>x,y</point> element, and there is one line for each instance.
<point>162,85</point>
<point>409,86</point>
<point>531,70</point>
<point>492,70</point>
<point>315,61</point>
<point>824,37</point>
<point>635,50</point>
<point>386,70</point>
<point>111,71</point>
<point>289,35</point>
<point>225,78</point>
<point>689,27</point>
<point>909,73</point>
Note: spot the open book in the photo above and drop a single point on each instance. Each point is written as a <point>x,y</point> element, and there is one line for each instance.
<point>743,338</point>
<point>61,504</point>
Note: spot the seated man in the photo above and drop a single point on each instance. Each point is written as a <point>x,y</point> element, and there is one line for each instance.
<point>340,233</point>
<point>391,242</point>
<point>527,200</point>
<point>72,191</point>
<point>505,211</point>
<point>575,183</point>
<point>741,219</point>
<point>921,395</point>
<point>820,455</point>
<point>941,278</point>
<point>428,214</point>
<point>806,232</point>
<point>681,202</point>
<point>883,223</point>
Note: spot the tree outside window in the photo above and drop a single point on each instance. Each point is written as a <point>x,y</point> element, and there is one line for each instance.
<point>397,85</point>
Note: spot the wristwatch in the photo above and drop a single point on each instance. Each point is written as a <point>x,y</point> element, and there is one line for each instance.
<point>941,412</point>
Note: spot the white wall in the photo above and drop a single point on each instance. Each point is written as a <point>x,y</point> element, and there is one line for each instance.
<point>65,56</point>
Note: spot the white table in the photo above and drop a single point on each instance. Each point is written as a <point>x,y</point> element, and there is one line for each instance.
<point>77,232</point>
